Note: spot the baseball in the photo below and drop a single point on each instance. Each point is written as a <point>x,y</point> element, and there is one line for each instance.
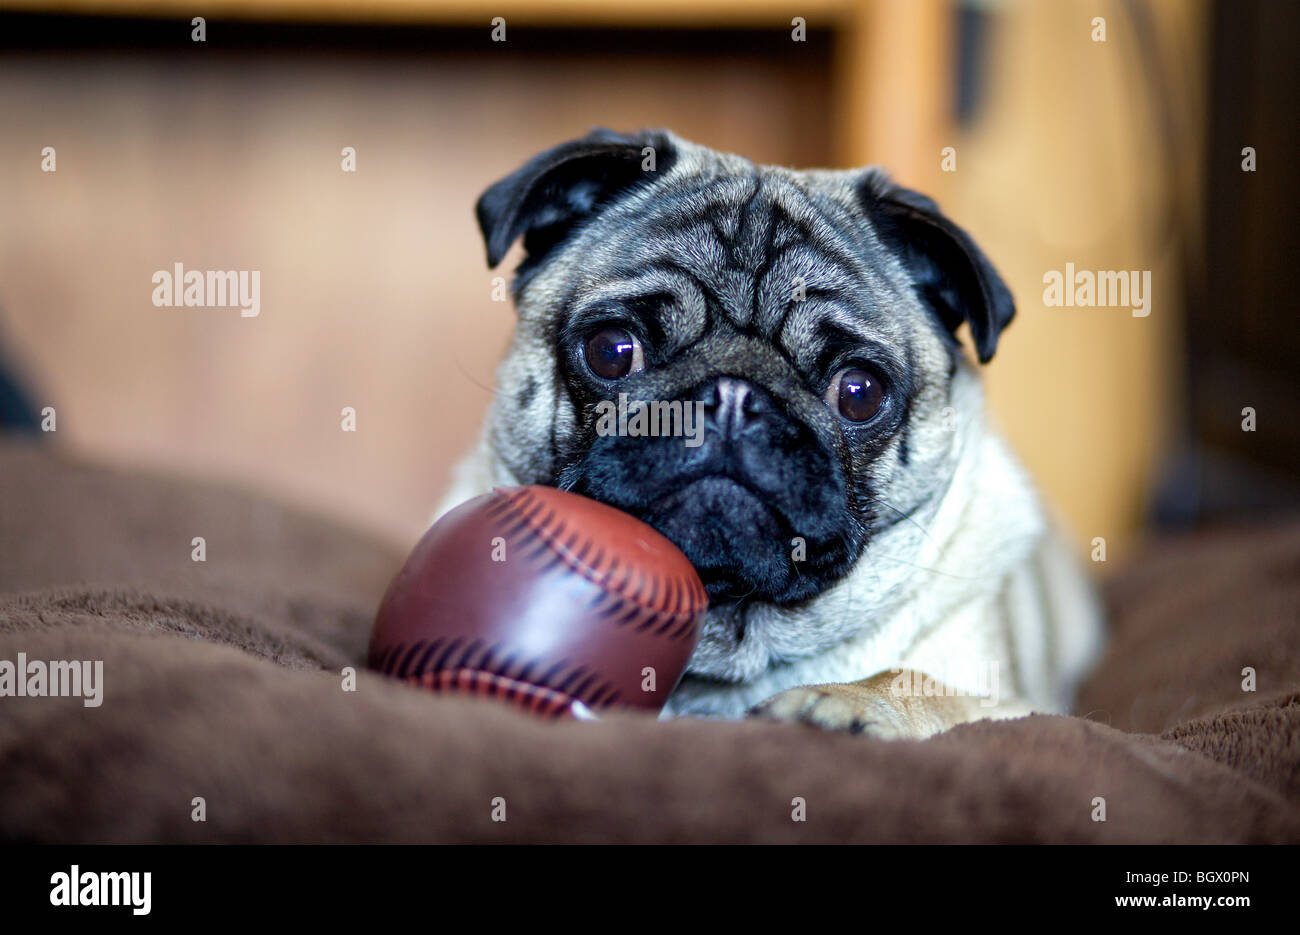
<point>556,603</point>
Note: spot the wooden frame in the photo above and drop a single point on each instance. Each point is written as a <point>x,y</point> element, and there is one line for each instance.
<point>892,58</point>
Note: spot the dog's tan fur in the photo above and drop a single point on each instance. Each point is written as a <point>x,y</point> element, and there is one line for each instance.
<point>876,708</point>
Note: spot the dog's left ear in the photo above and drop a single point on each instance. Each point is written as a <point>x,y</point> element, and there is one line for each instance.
<point>951,272</point>
<point>553,192</point>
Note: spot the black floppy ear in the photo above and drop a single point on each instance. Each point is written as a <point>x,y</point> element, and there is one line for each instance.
<point>557,189</point>
<point>951,272</point>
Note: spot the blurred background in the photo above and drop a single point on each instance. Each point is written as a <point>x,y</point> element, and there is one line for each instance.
<point>1106,134</point>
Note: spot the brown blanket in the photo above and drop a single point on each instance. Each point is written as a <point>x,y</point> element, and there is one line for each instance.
<point>221,680</point>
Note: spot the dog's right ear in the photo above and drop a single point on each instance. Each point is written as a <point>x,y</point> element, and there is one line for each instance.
<point>558,189</point>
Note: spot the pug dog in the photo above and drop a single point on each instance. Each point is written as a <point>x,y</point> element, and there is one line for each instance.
<point>877,562</point>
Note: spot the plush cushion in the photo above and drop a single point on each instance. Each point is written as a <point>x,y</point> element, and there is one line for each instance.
<point>222,680</point>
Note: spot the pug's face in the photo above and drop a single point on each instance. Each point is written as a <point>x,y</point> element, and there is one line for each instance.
<point>802,320</point>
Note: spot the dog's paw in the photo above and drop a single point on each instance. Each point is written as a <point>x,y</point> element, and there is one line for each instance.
<point>847,708</point>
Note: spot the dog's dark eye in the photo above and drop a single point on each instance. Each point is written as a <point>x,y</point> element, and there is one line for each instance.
<point>612,353</point>
<point>856,394</point>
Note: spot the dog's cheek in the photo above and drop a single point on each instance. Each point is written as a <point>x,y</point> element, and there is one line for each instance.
<point>943,420</point>
<point>525,416</point>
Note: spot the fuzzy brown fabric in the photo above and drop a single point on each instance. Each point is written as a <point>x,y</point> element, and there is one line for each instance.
<point>222,681</point>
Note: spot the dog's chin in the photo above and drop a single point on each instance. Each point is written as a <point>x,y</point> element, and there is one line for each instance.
<point>739,545</point>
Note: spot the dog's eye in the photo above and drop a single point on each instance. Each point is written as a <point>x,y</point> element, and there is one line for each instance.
<point>856,394</point>
<point>612,353</point>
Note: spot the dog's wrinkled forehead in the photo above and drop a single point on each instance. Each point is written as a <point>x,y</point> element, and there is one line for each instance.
<point>717,239</point>
<point>757,251</point>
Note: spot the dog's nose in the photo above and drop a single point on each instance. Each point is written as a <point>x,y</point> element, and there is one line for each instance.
<point>733,405</point>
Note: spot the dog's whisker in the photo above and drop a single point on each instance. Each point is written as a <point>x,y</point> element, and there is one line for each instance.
<point>494,390</point>
<point>908,517</point>
<point>933,571</point>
